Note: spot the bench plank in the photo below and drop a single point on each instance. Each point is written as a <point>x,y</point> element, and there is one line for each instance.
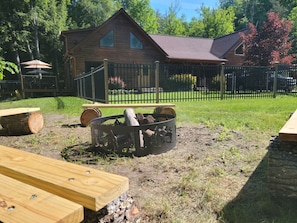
<point>16,111</point>
<point>289,131</point>
<point>154,105</point>
<point>24,203</point>
<point>89,187</point>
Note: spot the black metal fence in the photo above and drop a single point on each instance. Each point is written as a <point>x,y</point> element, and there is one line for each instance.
<point>140,83</point>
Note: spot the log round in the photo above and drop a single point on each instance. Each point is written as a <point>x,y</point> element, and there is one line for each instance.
<point>25,123</point>
<point>89,114</point>
<point>164,111</point>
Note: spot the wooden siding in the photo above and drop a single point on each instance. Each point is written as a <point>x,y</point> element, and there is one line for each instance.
<point>121,52</point>
<point>234,60</point>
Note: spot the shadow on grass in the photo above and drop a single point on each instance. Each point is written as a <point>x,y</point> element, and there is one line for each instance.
<point>60,103</point>
<point>255,204</point>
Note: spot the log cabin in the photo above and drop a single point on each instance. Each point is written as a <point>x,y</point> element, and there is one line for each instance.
<point>121,40</point>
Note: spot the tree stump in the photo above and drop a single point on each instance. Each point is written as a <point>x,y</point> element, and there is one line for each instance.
<point>164,111</point>
<point>24,123</point>
<point>88,115</point>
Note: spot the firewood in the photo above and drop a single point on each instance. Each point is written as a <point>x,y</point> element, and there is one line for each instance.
<point>26,123</point>
<point>131,120</point>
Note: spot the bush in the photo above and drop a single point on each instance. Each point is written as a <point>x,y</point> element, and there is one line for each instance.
<point>181,82</point>
<point>115,83</point>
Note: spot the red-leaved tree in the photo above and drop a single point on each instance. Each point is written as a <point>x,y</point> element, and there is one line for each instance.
<point>270,44</point>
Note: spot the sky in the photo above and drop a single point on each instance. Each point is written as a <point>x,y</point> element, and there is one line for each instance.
<point>187,7</point>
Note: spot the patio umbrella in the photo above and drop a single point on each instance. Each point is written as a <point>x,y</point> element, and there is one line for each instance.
<point>36,64</point>
<point>37,71</point>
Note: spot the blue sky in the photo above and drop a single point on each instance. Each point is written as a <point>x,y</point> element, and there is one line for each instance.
<point>187,7</point>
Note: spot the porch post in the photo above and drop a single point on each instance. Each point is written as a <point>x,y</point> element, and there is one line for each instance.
<point>93,84</point>
<point>222,82</point>
<point>275,79</point>
<point>105,62</point>
<point>157,81</point>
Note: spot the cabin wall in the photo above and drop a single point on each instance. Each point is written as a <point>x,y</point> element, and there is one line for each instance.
<point>91,51</point>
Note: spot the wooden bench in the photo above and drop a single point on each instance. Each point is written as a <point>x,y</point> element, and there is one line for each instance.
<point>92,111</point>
<point>20,202</point>
<point>21,120</point>
<point>289,131</point>
<point>90,188</point>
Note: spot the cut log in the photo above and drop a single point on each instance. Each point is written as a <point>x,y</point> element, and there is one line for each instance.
<point>131,120</point>
<point>88,115</point>
<point>25,123</point>
<point>164,111</point>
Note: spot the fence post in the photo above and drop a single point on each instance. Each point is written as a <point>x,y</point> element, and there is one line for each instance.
<point>157,81</point>
<point>275,79</point>
<point>222,82</point>
<point>93,84</point>
<point>105,62</point>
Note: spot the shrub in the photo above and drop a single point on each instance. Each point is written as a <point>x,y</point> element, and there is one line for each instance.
<point>182,82</point>
<point>115,83</point>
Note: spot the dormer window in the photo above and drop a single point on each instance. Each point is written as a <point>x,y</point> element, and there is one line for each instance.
<point>107,40</point>
<point>239,50</point>
<point>135,43</point>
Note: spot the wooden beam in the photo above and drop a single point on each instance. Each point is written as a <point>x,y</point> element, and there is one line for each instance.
<point>24,203</point>
<point>84,185</point>
<point>289,131</point>
<point>154,105</point>
<point>16,111</point>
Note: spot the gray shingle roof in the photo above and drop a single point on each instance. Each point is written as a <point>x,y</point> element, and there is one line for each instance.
<point>186,48</point>
<point>223,44</point>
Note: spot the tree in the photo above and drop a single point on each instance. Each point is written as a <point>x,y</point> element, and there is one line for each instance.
<point>170,24</point>
<point>89,13</point>
<point>270,44</point>
<point>213,23</point>
<point>142,13</point>
<point>252,11</point>
<point>7,66</point>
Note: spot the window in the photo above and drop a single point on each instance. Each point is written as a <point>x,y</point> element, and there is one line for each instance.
<point>135,42</point>
<point>239,50</point>
<point>107,40</point>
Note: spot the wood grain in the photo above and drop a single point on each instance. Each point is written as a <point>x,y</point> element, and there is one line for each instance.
<point>154,105</point>
<point>15,111</point>
<point>289,131</point>
<point>86,186</point>
<point>24,203</point>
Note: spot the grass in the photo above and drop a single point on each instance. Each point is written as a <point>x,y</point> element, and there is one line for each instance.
<point>262,114</point>
<point>215,185</point>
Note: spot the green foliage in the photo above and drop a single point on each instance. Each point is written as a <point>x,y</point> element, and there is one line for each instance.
<point>170,24</point>
<point>142,13</point>
<point>215,83</point>
<point>183,82</point>
<point>9,67</point>
<point>213,23</point>
<point>89,13</point>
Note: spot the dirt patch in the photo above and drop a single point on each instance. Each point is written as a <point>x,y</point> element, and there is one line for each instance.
<point>195,180</point>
